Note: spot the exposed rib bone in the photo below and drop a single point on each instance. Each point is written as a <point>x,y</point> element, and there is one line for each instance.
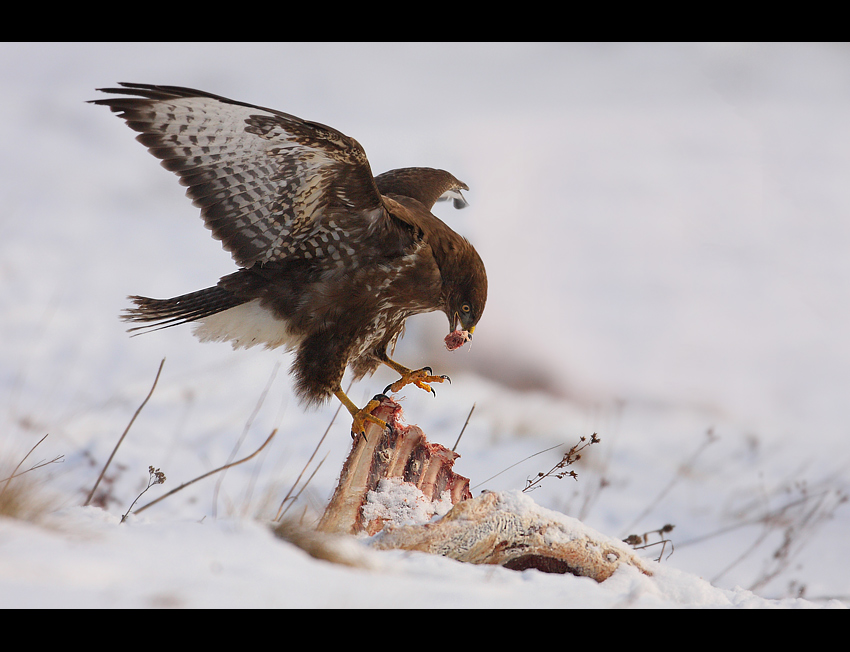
<point>402,452</point>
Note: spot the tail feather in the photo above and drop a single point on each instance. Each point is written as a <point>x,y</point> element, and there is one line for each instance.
<point>163,313</point>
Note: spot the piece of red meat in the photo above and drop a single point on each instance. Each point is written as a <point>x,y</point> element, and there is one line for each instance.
<point>457,339</point>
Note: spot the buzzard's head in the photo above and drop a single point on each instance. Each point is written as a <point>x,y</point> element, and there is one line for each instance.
<point>464,287</point>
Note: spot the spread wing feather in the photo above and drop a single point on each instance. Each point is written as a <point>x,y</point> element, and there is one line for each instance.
<point>268,183</point>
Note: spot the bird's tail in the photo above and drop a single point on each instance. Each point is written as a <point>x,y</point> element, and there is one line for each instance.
<point>162,313</point>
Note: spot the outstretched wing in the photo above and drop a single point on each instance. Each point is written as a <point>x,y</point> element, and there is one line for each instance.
<point>270,186</point>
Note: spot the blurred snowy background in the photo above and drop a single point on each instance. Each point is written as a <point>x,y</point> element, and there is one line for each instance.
<point>666,233</point>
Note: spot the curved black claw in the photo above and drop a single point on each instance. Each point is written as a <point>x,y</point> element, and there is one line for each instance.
<point>445,377</point>
<point>386,390</point>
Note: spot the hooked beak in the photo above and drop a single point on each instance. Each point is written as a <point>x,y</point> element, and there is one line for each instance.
<point>458,326</point>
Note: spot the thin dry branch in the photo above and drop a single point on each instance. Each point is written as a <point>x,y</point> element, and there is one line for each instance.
<point>244,434</point>
<point>680,473</point>
<point>208,474</point>
<point>301,490</point>
<point>15,473</point>
<point>525,459</point>
<point>281,511</point>
<point>570,457</point>
<point>124,434</point>
<point>462,430</point>
<point>797,521</point>
<point>155,476</point>
<point>641,542</point>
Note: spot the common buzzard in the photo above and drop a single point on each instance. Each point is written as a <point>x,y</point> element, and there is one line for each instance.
<point>332,260</point>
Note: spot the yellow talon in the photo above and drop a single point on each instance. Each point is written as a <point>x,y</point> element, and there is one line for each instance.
<point>361,416</point>
<point>421,378</point>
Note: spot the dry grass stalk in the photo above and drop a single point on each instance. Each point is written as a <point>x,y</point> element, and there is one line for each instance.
<point>244,434</point>
<point>683,470</point>
<point>208,474</point>
<point>155,476</point>
<point>14,474</point>
<point>642,542</point>
<point>21,499</point>
<point>124,434</point>
<point>559,470</point>
<point>281,511</point>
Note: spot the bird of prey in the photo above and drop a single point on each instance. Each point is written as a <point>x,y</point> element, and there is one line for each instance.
<point>332,260</point>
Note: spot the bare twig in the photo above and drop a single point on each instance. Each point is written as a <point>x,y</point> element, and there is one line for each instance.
<point>301,490</point>
<point>592,493</point>
<point>593,490</point>
<point>241,439</point>
<point>545,450</point>
<point>639,542</point>
<point>15,473</point>
<point>209,473</point>
<point>570,457</point>
<point>124,434</point>
<point>466,423</point>
<point>710,439</point>
<point>798,521</point>
<point>155,476</point>
<point>771,516</point>
<point>280,510</point>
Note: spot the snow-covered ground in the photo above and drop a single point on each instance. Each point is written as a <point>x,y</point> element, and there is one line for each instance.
<point>665,229</point>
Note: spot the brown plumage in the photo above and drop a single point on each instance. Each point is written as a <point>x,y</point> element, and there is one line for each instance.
<point>332,260</point>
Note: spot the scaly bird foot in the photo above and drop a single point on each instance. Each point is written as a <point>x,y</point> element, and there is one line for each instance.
<point>421,378</point>
<point>362,416</point>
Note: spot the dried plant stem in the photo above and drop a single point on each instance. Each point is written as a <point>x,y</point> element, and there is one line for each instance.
<point>570,457</point>
<point>124,434</point>
<point>280,510</point>
<point>641,542</point>
<point>710,439</point>
<point>155,477</point>
<point>797,520</point>
<point>545,450</point>
<point>15,473</point>
<point>209,473</point>
<point>303,487</point>
<point>466,423</point>
<point>764,519</point>
<point>241,439</point>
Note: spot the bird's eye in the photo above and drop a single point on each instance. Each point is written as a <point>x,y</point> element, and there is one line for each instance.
<point>465,307</point>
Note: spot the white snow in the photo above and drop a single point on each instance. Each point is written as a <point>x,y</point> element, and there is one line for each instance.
<point>665,233</point>
<point>402,503</point>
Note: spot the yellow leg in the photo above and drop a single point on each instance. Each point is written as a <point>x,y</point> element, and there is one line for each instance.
<point>420,377</point>
<point>360,416</point>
